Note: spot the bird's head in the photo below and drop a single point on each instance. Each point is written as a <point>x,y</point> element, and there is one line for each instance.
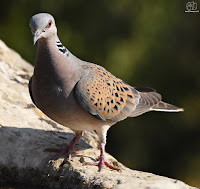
<point>42,26</point>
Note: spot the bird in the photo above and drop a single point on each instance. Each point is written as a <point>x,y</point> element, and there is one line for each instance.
<point>80,95</point>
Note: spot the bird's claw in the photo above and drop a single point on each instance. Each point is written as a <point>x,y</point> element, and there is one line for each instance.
<point>100,163</point>
<point>62,151</point>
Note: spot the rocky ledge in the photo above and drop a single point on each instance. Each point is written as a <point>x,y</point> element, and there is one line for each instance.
<point>25,132</point>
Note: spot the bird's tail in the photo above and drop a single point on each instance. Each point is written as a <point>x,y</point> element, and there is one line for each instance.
<point>165,107</point>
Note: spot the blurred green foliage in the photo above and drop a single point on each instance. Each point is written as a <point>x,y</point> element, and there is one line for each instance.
<point>145,43</point>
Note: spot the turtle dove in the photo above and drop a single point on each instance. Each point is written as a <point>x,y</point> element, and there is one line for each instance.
<point>82,95</point>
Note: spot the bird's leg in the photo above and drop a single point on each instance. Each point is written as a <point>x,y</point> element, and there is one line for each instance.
<point>101,160</point>
<point>68,149</point>
<point>102,132</point>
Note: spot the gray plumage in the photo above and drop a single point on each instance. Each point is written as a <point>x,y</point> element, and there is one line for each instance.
<point>81,95</point>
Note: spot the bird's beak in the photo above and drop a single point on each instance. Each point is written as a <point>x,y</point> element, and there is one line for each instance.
<point>36,36</point>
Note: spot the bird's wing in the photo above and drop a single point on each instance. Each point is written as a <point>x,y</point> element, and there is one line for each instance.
<point>148,99</point>
<point>105,96</point>
<point>30,90</point>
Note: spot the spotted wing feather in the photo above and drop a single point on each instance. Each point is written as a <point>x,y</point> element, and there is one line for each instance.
<point>105,96</point>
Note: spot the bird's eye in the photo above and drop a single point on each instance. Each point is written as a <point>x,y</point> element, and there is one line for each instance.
<point>49,24</point>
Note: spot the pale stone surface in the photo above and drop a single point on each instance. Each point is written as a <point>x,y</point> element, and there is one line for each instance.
<point>25,132</point>
<point>161,182</point>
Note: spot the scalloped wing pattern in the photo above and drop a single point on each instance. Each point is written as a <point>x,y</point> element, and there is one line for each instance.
<point>104,95</point>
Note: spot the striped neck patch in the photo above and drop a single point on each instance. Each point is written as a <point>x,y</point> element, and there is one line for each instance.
<point>62,48</point>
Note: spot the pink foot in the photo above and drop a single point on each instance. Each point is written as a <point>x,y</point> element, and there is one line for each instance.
<point>101,160</point>
<point>101,163</point>
<point>68,150</point>
<point>62,151</point>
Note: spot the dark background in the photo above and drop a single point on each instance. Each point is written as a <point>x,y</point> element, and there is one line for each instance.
<point>145,43</point>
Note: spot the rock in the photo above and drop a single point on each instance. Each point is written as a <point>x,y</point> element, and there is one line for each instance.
<point>25,132</point>
<point>161,182</point>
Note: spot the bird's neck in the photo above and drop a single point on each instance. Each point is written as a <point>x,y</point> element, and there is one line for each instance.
<point>53,45</point>
<point>51,50</point>
<point>62,48</point>
<point>52,58</point>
